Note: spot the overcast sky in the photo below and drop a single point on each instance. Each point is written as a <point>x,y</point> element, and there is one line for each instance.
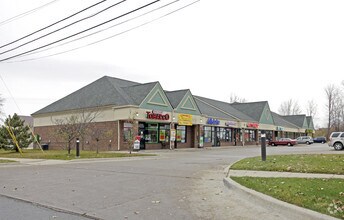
<point>258,50</point>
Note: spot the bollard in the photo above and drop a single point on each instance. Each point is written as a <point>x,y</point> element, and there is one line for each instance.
<point>77,148</point>
<point>263,145</point>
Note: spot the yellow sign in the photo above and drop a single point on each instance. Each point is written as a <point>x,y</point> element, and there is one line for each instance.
<point>184,119</point>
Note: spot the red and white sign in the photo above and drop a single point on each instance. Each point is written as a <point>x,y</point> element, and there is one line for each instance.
<point>157,116</point>
<point>252,125</point>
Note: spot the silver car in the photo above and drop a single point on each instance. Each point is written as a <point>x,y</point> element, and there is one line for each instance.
<point>337,140</point>
<point>304,140</point>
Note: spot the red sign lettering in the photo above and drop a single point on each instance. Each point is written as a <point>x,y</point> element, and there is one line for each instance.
<point>158,116</point>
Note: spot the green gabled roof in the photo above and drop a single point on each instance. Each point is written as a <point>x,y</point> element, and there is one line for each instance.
<point>280,121</point>
<point>298,120</point>
<point>176,97</point>
<point>252,109</point>
<point>225,107</point>
<point>310,122</point>
<point>156,99</point>
<point>138,93</point>
<point>183,101</point>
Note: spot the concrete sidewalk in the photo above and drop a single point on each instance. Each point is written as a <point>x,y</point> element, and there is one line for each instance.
<point>254,173</point>
<point>296,212</point>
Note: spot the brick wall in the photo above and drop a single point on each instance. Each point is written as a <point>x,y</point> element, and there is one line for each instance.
<point>105,131</point>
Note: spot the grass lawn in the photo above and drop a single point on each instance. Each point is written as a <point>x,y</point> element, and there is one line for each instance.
<point>63,154</point>
<point>6,161</point>
<point>321,195</point>
<point>315,163</point>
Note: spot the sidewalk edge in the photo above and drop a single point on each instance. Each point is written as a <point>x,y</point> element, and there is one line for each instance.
<point>229,183</point>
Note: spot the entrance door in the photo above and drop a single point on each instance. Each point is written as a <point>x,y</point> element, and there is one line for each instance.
<point>142,134</point>
<point>215,136</point>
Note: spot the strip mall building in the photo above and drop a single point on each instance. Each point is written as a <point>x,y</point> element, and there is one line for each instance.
<point>162,119</point>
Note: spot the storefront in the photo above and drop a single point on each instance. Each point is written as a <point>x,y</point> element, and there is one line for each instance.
<point>216,135</point>
<point>154,132</point>
<point>250,133</point>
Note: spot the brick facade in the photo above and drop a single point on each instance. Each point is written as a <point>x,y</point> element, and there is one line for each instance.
<point>106,132</point>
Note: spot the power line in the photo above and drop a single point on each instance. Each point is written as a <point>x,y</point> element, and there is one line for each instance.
<point>57,30</point>
<point>97,32</point>
<point>73,35</point>
<point>25,13</point>
<point>9,91</point>
<point>107,38</point>
<point>59,21</point>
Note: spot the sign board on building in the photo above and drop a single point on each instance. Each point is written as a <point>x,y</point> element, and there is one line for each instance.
<point>185,119</point>
<point>280,128</point>
<point>157,115</point>
<point>213,121</point>
<point>252,125</point>
<point>230,123</point>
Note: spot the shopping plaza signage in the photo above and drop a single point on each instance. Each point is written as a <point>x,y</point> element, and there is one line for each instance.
<point>280,128</point>
<point>157,115</point>
<point>230,123</point>
<point>213,121</point>
<point>185,119</point>
<point>252,125</point>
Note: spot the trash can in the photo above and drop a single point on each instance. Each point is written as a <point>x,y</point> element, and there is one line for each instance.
<point>45,146</point>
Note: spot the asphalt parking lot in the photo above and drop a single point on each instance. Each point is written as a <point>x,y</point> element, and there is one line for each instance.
<point>177,184</point>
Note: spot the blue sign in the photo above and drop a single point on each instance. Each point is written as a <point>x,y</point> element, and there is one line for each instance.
<point>213,121</point>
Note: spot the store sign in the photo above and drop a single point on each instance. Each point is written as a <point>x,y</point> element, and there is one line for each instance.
<point>185,119</point>
<point>252,125</point>
<point>230,123</point>
<point>213,121</point>
<point>157,116</point>
<point>280,128</point>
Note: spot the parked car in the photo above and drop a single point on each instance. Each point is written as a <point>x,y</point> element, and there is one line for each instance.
<point>304,140</point>
<point>337,140</point>
<point>319,140</point>
<point>283,141</point>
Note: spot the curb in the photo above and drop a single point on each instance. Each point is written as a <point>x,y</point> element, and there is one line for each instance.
<point>275,203</point>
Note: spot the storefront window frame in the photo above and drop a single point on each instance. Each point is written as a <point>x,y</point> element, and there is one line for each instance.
<point>182,131</point>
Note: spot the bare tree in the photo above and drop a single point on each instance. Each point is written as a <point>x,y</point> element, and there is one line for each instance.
<point>334,107</point>
<point>75,125</point>
<point>289,107</point>
<point>312,108</point>
<point>235,98</point>
<point>99,134</point>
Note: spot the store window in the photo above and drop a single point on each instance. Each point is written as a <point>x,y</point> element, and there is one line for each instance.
<point>207,134</point>
<point>250,135</point>
<point>229,135</point>
<point>222,134</point>
<point>152,133</point>
<point>181,134</point>
<point>164,132</point>
<point>127,131</point>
